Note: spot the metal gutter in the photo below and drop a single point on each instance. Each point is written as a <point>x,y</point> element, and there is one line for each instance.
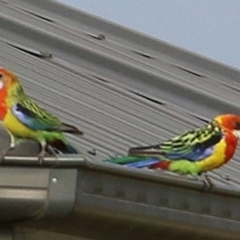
<point>95,189</point>
<point>83,187</point>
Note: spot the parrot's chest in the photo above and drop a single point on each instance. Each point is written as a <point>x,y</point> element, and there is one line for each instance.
<point>17,128</point>
<point>216,159</point>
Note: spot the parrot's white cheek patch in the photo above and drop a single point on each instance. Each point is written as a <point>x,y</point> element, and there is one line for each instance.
<point>1,84</point>
<point>237,133</point>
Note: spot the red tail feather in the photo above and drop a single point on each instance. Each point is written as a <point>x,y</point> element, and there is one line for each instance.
<point>163,165</point>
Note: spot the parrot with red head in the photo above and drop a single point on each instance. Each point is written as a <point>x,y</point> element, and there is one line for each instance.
<point>25,119</point>
<point>193,152</point>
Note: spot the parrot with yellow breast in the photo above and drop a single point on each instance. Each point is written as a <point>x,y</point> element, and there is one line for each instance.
<point>25,119</point>
<point>193,152</point>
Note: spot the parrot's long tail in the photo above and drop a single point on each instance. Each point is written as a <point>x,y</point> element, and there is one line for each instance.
<point>151,150</point>
<point>140,162</point>
<point>63,147</point>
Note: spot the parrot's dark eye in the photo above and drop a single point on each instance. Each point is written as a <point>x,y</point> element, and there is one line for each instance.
<point>237,125</point>
<point>1,75</point>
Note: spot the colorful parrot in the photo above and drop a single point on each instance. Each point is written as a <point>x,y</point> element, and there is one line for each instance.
<point>193,152</point>
<point>24,119</point>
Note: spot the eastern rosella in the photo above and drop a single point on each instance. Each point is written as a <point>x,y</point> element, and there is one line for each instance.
<point>24,119</point>
<point>193,152</point>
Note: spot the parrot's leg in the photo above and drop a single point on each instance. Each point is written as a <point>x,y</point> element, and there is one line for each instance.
<point>12,145</point>
<point>53,152</point>
<point>208,179</point>
<point>208,183</point>
<point>42,153</point>
<point>12,142</point>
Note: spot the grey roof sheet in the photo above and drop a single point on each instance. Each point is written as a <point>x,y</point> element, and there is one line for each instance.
<point>124,90</point>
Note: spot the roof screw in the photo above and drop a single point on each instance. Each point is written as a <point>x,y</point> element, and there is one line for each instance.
<point>54,180</point>
<point>92,152</point>
<point>101,36</point>
<point>226,177</point>
<point>46,54</point>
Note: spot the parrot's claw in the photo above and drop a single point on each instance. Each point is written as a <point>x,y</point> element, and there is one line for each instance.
<point>52,151</point>
<point>210,182</point>
<point>4,152</point>
<point>207,181</point>
<point>43,153</point>
<point>41,157</point>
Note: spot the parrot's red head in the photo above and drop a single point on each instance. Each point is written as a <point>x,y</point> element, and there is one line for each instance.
<point>229,122</point>
<point>8,82</point>
<point>7,78</point>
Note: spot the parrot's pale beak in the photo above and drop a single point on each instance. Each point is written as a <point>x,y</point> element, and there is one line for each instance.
<point>1,84</point>
<point>237,133</point>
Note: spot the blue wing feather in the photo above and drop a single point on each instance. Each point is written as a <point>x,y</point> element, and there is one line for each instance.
<point>196,154</point>
<point>31,119</point>
<point>143,163</point>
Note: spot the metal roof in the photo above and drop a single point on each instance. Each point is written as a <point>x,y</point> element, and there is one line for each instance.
<point>122,88</point>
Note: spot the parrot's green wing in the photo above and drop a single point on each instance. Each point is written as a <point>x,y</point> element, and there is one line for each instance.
<point>35,117</point>
<point>192,145</point>
<point>204,138</point>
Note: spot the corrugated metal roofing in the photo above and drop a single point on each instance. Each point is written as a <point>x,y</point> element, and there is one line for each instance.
<point>120,87</point>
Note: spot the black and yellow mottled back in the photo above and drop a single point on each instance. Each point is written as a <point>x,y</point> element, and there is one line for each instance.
<point>206,136</point>
<point>191,145</point>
